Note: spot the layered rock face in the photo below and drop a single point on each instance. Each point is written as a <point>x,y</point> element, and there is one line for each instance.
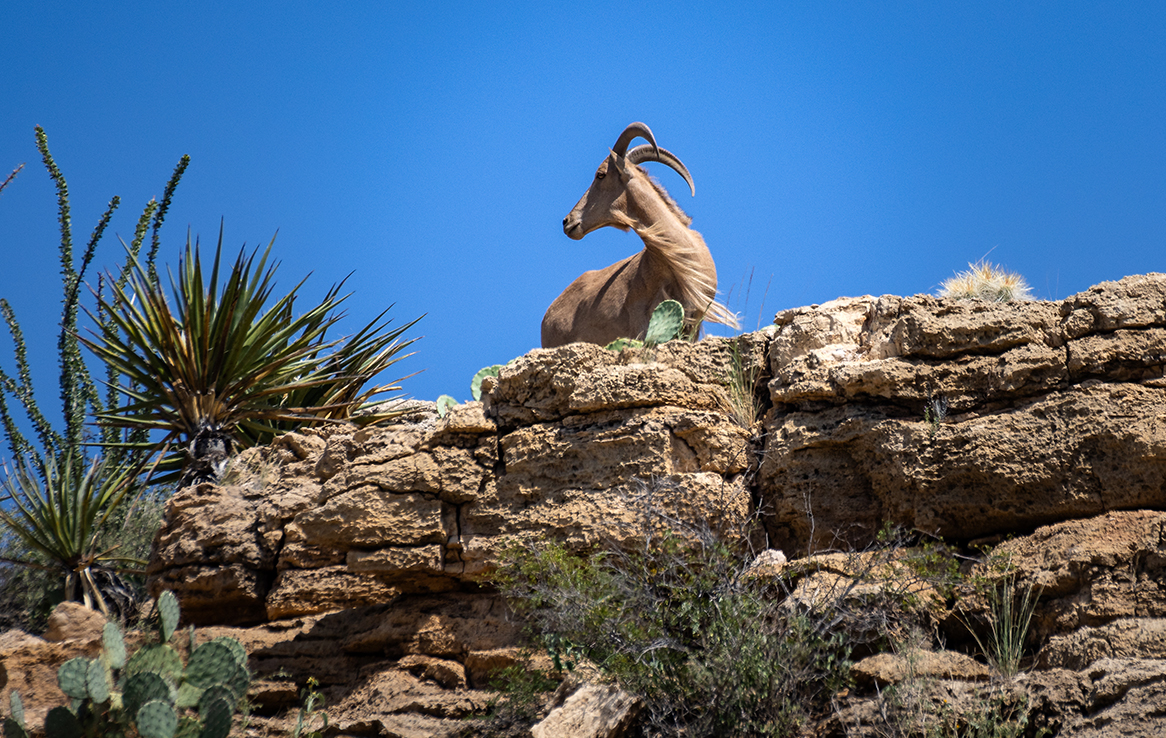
<point>1038,412</point>
<point>971,421</point>
<point>340,518</point>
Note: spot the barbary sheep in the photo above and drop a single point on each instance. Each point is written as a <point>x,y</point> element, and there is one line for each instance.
<point>675,263</point>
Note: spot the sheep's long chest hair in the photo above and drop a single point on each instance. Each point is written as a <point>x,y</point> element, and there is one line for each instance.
<point>684,252</point>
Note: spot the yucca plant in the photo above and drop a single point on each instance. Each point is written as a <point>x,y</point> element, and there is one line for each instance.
<point>220,369</point>
<point>59,509</point>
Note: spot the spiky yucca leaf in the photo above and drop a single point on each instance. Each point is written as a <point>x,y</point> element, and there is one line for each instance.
<point>58,510</point>
<point>221,369</point>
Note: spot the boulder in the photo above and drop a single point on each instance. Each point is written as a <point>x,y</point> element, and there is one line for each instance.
<point>593,711</point>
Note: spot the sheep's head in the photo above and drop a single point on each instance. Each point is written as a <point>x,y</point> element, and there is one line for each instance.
<point>606,201</point>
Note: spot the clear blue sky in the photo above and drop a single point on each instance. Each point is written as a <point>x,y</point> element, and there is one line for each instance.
<point>433,149</point>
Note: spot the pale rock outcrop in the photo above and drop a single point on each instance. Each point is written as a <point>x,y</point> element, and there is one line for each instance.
<point>343,518</point>
<point>72,621</point>
<point>593,711</point>
<point>1043,422</point>
<point>884,669</point>
<point>1049,412</point>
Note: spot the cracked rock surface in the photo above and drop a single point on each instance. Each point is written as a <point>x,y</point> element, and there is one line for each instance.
<point>368,551</point>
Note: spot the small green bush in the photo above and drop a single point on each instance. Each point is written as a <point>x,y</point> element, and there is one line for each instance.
<point>522,697</point>
<point>679,622</point>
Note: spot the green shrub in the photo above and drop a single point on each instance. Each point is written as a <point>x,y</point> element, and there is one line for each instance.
<point>680,622</point>
<point>150,693</point>
<point>522,697</point>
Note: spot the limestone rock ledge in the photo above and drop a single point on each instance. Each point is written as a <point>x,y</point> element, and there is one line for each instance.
<point>344,518</point>
<point>967,420</point>
<point>964,419</point>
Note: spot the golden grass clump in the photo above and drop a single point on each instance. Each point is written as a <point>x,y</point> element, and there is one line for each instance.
<point>985,281</point>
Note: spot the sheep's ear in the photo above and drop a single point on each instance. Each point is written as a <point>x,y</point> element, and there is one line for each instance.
<point>621,165</point>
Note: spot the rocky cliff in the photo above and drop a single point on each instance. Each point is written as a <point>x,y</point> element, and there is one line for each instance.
<point>362,557</point>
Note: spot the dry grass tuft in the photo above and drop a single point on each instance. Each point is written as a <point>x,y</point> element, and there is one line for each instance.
<point>985,281</point>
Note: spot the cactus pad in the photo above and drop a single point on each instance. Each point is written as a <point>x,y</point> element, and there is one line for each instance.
<point>167,614</point>
<point>217,692</point>
<point>188,695</point>
<point>211,663</point>
<point>156,719</point>
<point>62,723</point>
<point>237,649</point>
<point>114,644</point>
<point>476,382</point>
<point>98,681</point>
<point>240,680</point>
<point>72,677</point>
<point>620,344</point>
<point>216,719</point>
<point>16,707</point>
<point>666,323</point>
<point>157,658</point>
<point>145,687</point>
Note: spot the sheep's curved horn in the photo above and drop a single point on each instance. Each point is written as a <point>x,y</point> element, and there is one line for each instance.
<point>634,131</point>
<point>664,156</point>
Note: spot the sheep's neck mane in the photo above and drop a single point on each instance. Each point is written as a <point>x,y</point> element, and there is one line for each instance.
<point>670,243</point>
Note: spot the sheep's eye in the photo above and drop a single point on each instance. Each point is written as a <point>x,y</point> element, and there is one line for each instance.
<point>600,175</point>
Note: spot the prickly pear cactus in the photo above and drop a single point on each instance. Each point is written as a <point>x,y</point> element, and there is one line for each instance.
<point>144,687</point>
<point>13,729</point>
<point>211,663</point>
<point>73,677</point>
<point>14,723</point>
<point>157,719</point>
<point>167,614</point>
<point>152,692</point>
<point>156,658</point>
<point>476,382</point>
<point>62,723</point>
<point>236,648</point>
<point>115,646</point>
<point>445,402</point>
<point>98,681</point>
<point>666,323</point>
<point>188,727</point>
